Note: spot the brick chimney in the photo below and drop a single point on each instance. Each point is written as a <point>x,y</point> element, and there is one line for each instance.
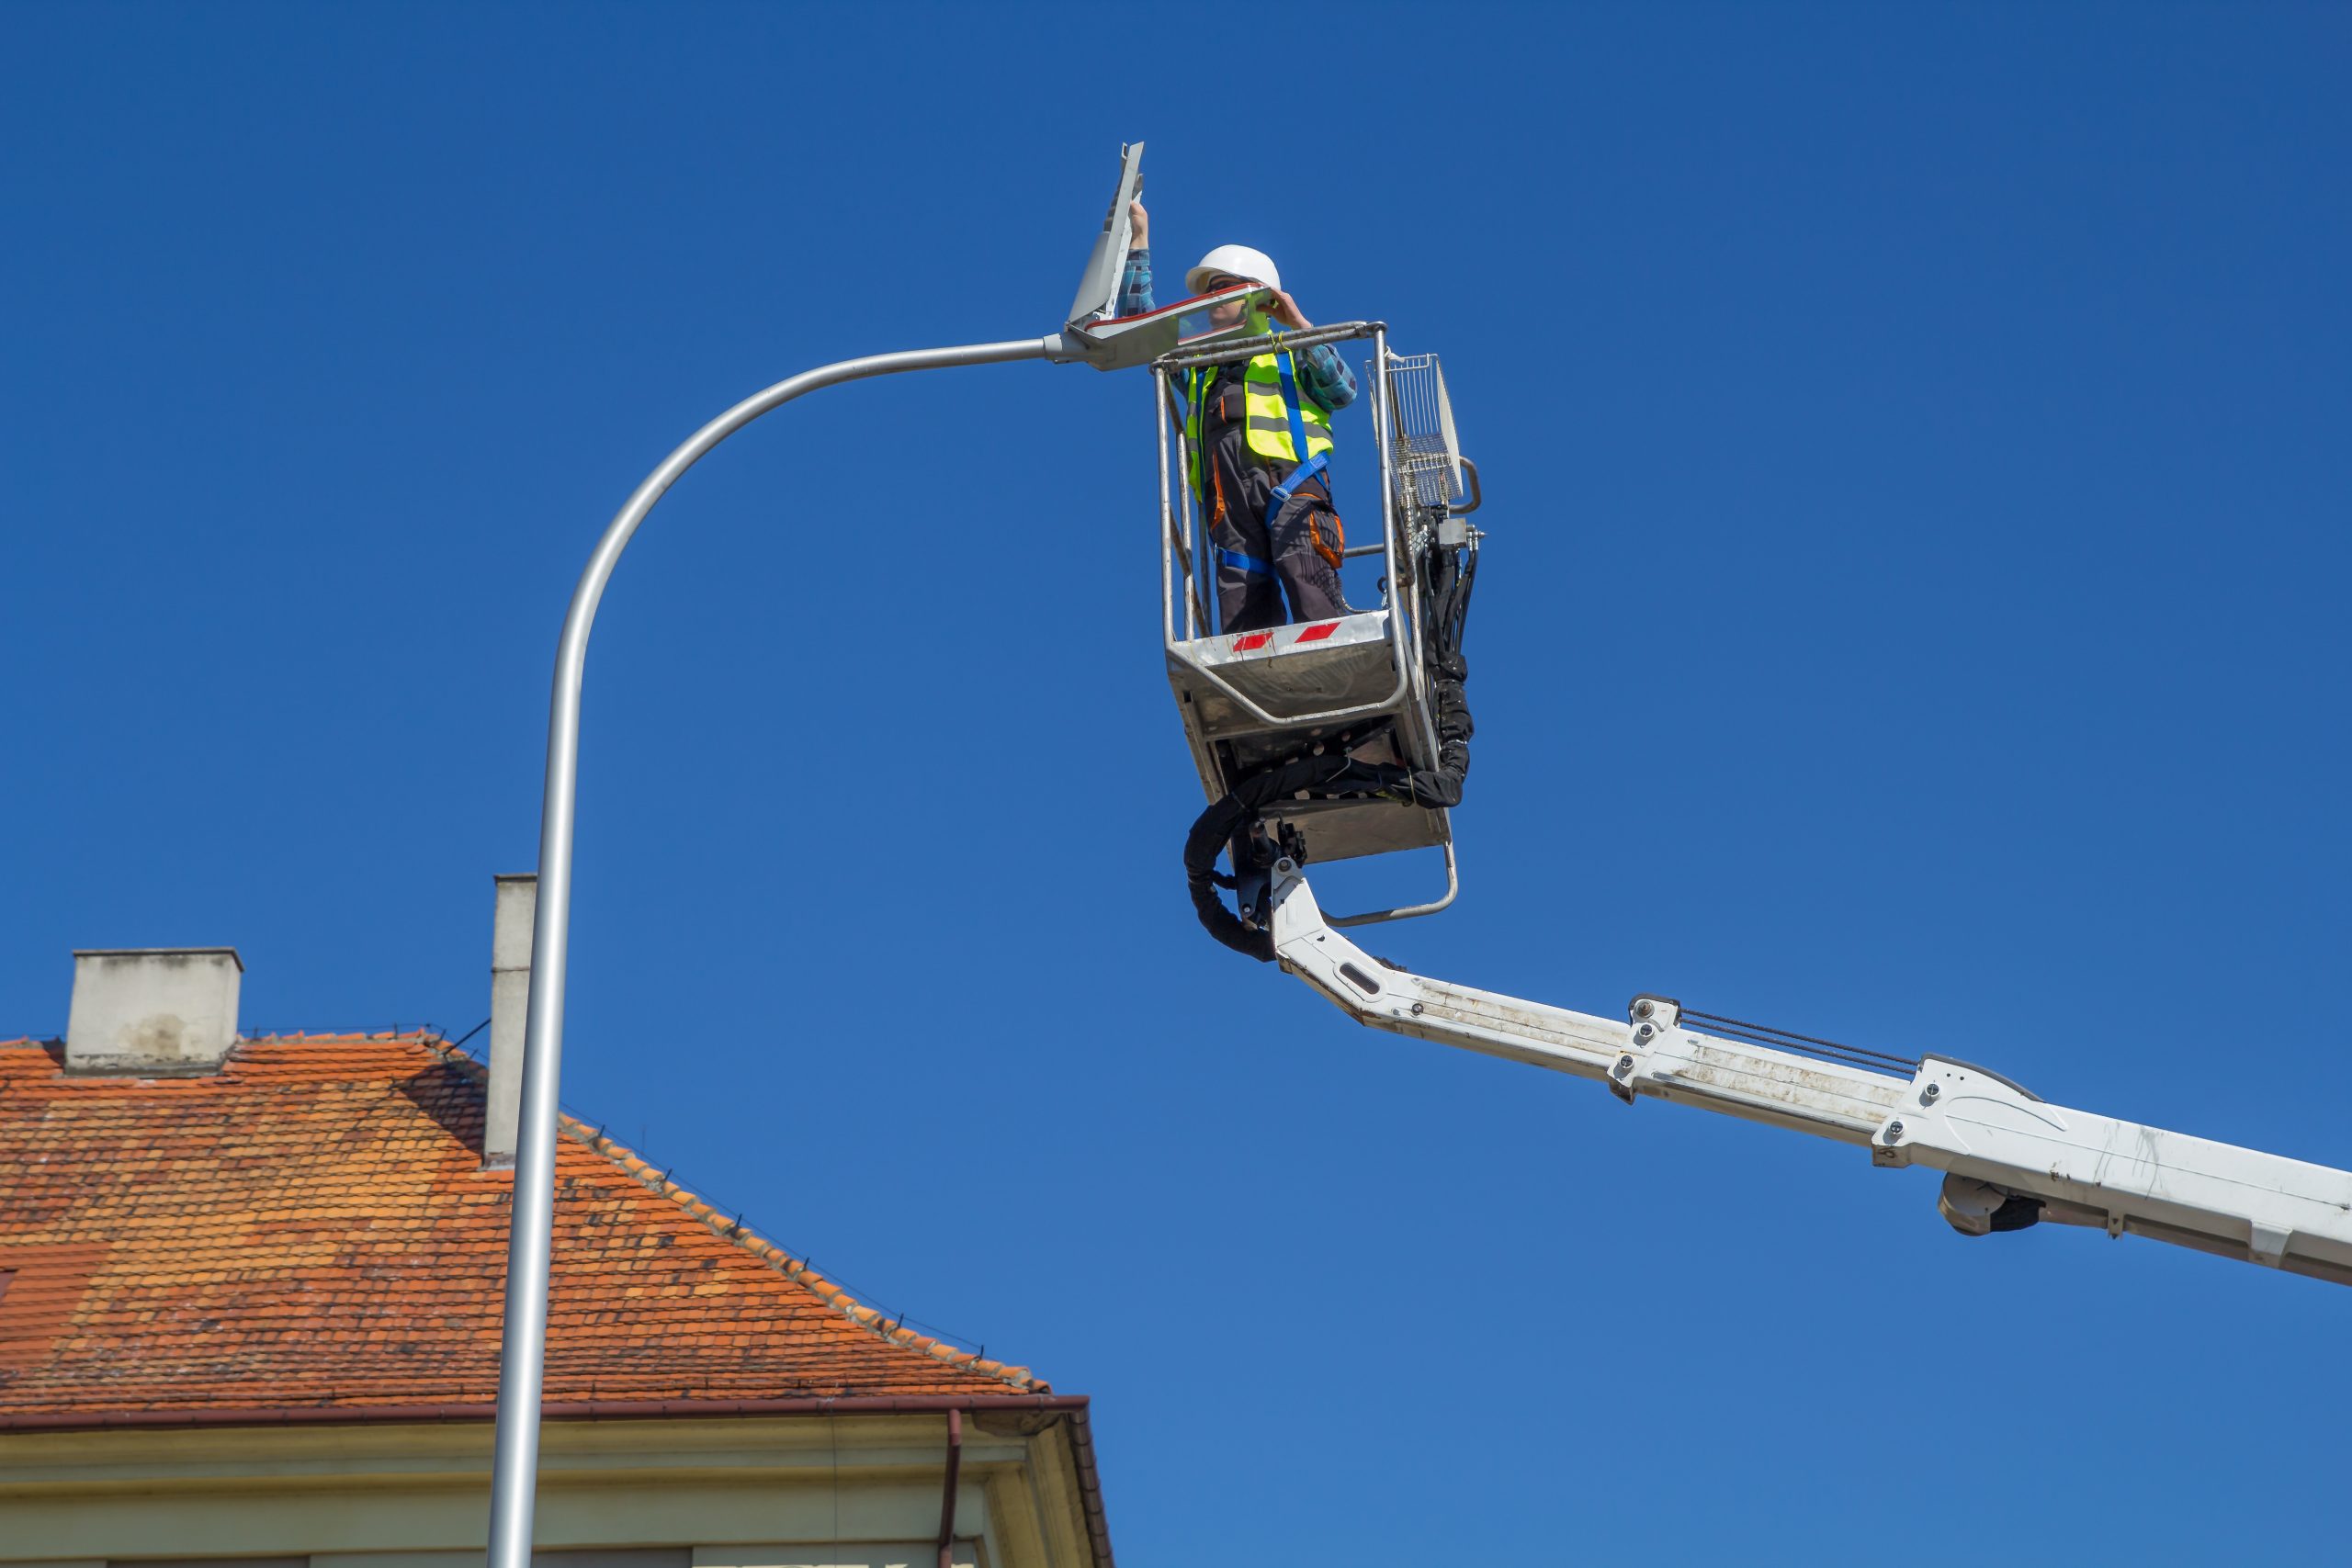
<point>153,1011</point>
<point>511,921</point>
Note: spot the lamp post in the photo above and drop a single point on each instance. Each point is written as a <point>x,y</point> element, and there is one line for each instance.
<point>523,1348</point>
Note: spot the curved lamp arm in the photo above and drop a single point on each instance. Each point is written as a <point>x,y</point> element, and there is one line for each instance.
<point>523,1348</point>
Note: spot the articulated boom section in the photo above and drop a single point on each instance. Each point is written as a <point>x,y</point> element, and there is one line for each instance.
<point>2009,1158</point>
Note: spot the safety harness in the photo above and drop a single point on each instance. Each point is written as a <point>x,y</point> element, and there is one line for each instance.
<point>1318,466</point>
<point>1308,467</point>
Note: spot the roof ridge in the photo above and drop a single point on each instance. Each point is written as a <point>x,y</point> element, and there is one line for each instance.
<point>795,1269</point>
<point>424,1032</point>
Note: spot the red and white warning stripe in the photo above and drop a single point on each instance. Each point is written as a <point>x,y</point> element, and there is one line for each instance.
<point>1368,626</point>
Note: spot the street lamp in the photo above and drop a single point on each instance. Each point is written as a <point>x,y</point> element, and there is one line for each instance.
<point>1093,337</point>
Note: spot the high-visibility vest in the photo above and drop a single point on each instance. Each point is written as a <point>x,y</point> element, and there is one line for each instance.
<point>1265,418</point>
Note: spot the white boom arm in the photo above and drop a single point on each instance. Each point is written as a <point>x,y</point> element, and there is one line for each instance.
<point>2009,1158</point>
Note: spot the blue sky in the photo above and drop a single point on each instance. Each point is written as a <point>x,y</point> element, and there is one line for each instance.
<point>1914,445</point>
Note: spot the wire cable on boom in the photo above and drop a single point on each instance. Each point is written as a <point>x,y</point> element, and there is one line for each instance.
<point>1804,1045</point>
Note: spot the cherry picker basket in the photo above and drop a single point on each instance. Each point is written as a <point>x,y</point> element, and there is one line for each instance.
<point>1358,685</point>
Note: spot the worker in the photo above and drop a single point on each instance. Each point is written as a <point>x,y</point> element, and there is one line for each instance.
<point>1273,528</point>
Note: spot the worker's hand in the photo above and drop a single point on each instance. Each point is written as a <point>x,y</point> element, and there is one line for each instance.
<point>1286,309</point>
<point>1139,225</point>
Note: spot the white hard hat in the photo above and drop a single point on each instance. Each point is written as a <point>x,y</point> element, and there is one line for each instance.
<point>1237,260</point>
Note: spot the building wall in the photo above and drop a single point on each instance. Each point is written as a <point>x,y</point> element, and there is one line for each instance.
<point>782,1492</point>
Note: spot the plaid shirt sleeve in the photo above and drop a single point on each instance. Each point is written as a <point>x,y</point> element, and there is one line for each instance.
<point>1329,380</point>
<point>1135,285</point>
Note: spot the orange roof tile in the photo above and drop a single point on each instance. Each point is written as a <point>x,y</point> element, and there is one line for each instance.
<point>312,1228</point>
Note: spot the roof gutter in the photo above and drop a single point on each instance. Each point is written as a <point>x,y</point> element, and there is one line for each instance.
<point>1071,1407</point>
<point>553,1410</point>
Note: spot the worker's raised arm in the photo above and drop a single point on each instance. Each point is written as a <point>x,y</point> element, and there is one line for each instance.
<point>1329,380</point>
<point>1135,284</point>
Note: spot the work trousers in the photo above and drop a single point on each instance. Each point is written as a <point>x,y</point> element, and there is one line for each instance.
<point>1256,566</point>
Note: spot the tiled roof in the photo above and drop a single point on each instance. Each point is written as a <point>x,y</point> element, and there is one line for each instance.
<point>310,1226</point>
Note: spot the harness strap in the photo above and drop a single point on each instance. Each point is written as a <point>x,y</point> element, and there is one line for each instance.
<point>1291,405</point>
<point>1240,562</point>
<point>1308,468</point>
